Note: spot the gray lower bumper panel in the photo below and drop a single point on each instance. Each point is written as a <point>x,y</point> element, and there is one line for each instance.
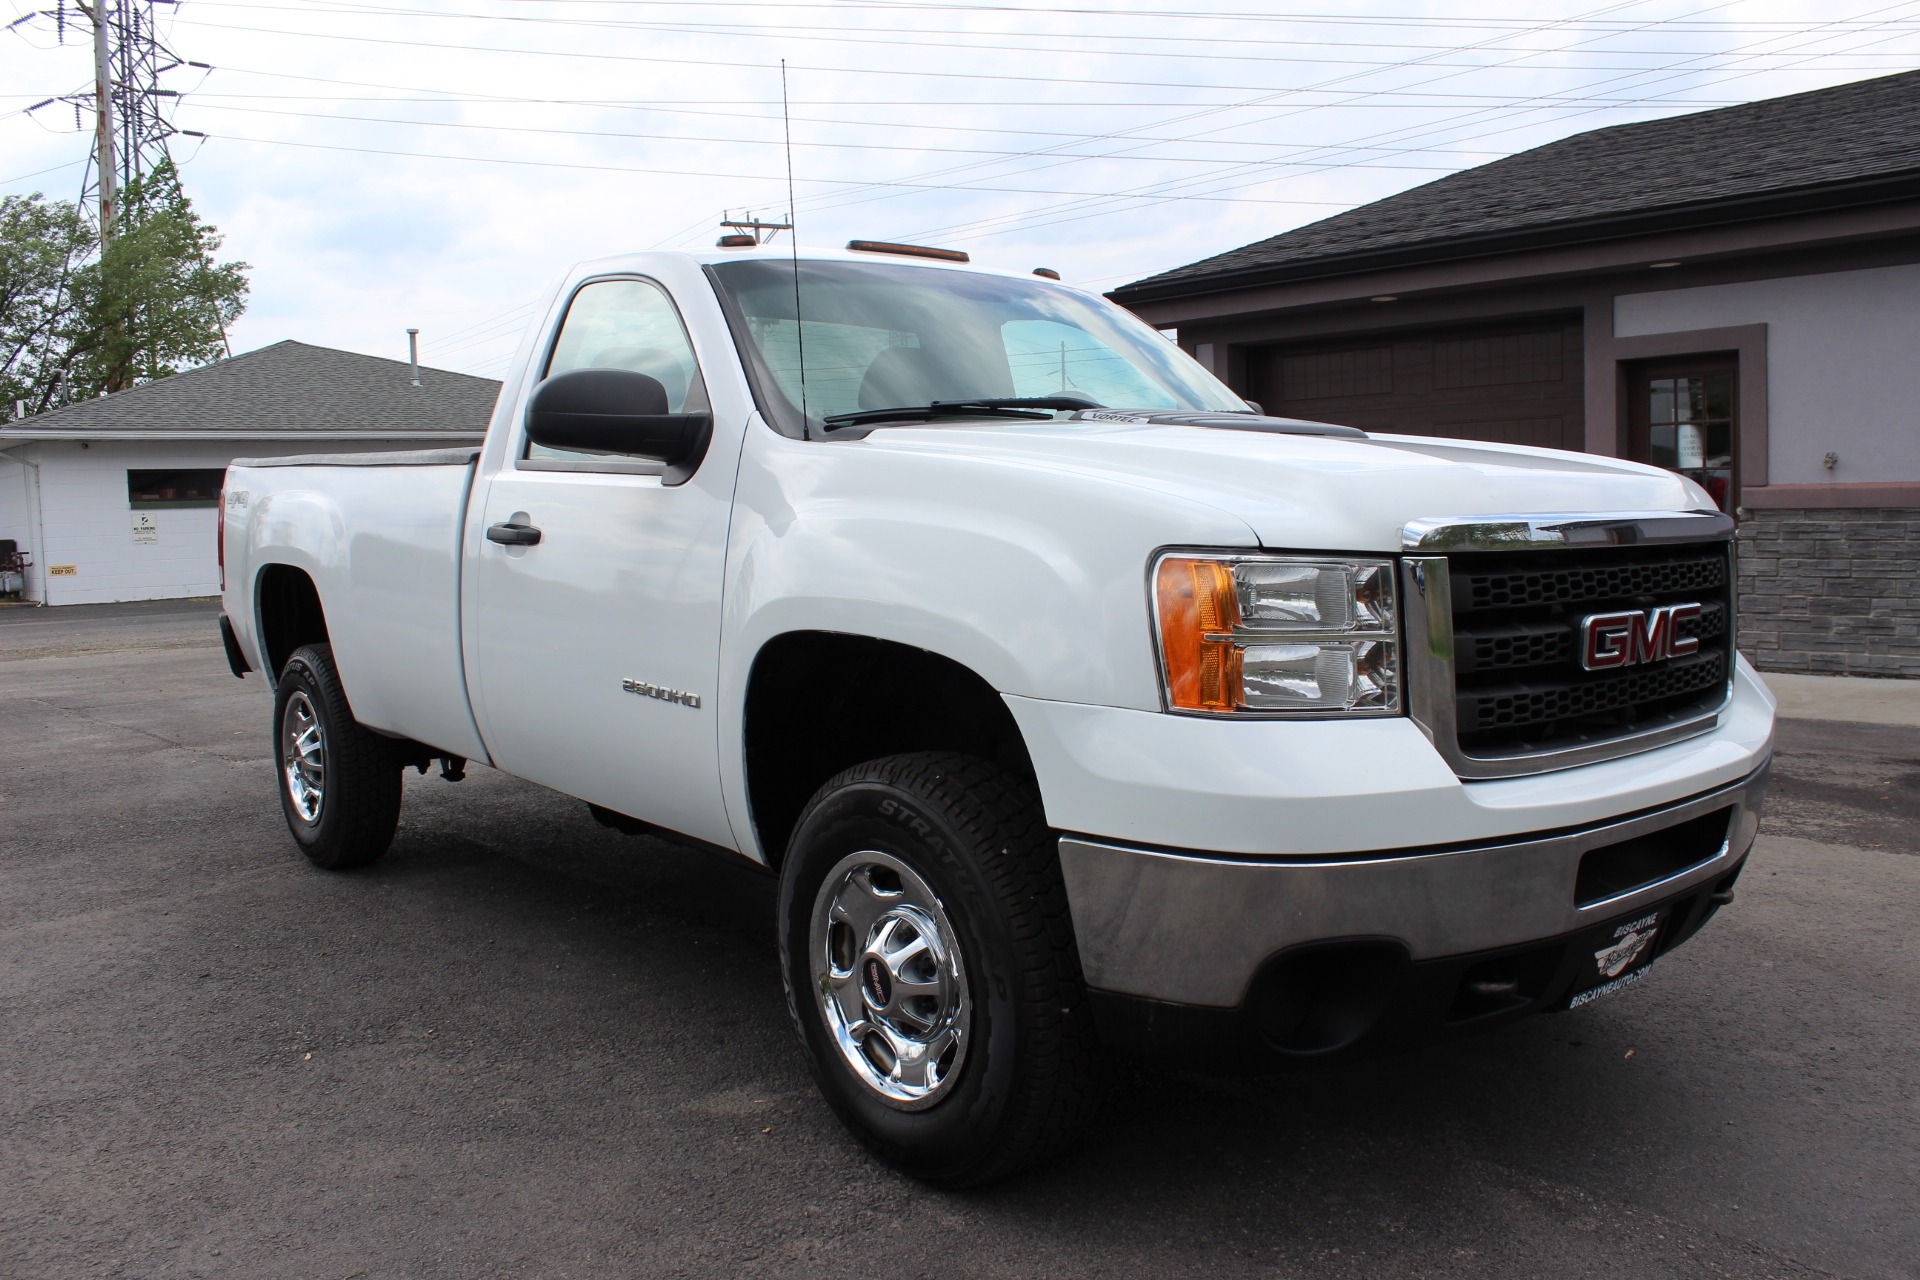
<point>1193,928</point>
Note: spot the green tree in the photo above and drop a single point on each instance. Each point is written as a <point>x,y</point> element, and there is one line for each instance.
<point>42,243</point>
<point>77,320</point>
<point>155,301</point>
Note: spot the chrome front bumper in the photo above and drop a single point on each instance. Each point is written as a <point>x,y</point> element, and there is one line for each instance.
<point>1193,928</point>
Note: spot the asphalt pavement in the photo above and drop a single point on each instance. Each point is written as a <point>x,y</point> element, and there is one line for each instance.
<point>525,1046</point>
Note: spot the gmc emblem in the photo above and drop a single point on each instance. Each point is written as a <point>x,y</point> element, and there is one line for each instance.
<point>1610,640</point>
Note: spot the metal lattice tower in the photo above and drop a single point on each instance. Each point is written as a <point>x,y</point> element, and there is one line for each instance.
<point>129,101</point>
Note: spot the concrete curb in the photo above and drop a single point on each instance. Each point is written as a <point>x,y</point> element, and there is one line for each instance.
<point>1851,699</point>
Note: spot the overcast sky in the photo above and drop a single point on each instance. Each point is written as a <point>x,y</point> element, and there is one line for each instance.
<point>434,163</point>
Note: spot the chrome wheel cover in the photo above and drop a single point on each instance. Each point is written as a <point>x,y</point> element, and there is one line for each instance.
<point>890,979</point>
<point>303,756</point>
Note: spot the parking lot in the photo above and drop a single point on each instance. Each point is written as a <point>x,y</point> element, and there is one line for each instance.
<point>526,1046</point>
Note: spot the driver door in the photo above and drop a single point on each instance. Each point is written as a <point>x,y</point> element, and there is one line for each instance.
<point>596,649</point>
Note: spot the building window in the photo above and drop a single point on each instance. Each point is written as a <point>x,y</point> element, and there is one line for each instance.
<point>196,488</point>
<point>1683,416</point>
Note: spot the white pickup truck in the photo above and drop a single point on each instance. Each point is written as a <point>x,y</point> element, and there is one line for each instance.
<point>1081,708</point>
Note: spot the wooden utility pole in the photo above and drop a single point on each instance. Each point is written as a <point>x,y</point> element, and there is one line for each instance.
<point>103,117</point>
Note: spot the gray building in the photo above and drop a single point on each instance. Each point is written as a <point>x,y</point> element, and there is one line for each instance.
<point>1734,294</point>
<point>117,498</point>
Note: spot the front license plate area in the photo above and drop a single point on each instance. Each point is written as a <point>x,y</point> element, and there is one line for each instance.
<point>1617,955</point>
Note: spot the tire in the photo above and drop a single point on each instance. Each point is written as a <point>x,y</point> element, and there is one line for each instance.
<point>973,1057</point>
<point>343,812</point>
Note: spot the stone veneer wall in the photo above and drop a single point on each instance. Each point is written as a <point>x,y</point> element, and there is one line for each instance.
<point>1835,591</point>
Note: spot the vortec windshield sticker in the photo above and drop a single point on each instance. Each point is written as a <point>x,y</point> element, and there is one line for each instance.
<point>1106,415</point>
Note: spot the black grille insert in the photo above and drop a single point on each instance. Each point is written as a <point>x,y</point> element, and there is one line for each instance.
<point>1519,685</point>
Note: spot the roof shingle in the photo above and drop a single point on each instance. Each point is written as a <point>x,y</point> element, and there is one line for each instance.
<point>1825,138</point>
<point>287,387</point>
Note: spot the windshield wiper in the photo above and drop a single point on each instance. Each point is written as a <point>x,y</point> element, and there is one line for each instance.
<point>996,406</point>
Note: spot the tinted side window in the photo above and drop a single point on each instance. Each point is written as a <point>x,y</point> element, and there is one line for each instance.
<point>626,324</point>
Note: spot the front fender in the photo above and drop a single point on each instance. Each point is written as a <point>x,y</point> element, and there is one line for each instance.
<point>1032,577</point>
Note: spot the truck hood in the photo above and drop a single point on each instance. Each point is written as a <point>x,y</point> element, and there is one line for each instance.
<point>1346,493</point>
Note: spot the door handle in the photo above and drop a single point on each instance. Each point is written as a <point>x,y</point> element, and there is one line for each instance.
<point>513,535</point>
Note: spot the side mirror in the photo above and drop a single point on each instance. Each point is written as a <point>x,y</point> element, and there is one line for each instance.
<point>617,411</point>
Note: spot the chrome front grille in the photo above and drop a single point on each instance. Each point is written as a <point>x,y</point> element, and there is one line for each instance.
<point>1495,638</point>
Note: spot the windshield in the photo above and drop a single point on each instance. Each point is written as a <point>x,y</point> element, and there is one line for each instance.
<point>885,335</point>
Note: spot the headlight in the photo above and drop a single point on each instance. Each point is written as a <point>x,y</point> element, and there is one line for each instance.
<point>1278,635</point>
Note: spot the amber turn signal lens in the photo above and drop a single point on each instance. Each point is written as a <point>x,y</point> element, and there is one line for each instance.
<point>1198,611</point>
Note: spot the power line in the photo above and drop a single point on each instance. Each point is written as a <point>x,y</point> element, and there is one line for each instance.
<point>481,324</point>
<point>1415,20</point>
<point>7,182</point>
<point>840,37</point>
<point>573,55</point>
<point>1006,222</point>
<point>1055,151</point>
<point>692,173</point>
<point>1064,147</point>
<point>1294,108</point>
<point>756,142</point>
<point>1061,156</point>
<point>491,99</point>
<point>1050,213</point>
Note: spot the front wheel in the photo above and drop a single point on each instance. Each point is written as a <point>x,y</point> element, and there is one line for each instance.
<point>931,969</point>
<point>339,780</point>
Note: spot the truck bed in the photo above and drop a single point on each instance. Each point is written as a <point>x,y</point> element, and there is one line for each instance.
<point>379,536</point>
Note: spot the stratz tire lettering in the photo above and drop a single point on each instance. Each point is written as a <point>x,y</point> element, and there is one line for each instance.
<point>906,818</point>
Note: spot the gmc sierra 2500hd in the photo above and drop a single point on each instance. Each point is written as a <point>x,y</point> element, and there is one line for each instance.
<point>1081,708</point>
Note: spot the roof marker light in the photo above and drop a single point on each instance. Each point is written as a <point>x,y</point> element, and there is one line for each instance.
<point>909,250</point>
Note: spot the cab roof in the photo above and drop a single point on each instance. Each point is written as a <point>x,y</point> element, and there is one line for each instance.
<point>781,252</point>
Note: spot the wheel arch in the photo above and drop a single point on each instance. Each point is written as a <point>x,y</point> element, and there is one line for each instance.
<point>818,702</point>
<point>288,614</point>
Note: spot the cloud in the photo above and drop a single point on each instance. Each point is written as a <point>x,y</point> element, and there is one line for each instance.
<point>432,163</point>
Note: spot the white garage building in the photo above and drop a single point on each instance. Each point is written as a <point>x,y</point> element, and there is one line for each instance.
<point>116,498</point>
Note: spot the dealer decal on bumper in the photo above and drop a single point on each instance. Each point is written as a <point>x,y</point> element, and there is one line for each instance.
<point>1615,962</point>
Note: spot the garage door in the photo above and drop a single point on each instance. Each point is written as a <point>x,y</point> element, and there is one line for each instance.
<point>1517,384</point>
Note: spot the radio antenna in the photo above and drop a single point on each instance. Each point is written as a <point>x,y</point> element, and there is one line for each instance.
<point>793,244</point>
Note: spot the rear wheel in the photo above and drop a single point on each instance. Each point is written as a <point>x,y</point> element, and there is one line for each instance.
<point>931,968</point>
<point>339,780</point>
